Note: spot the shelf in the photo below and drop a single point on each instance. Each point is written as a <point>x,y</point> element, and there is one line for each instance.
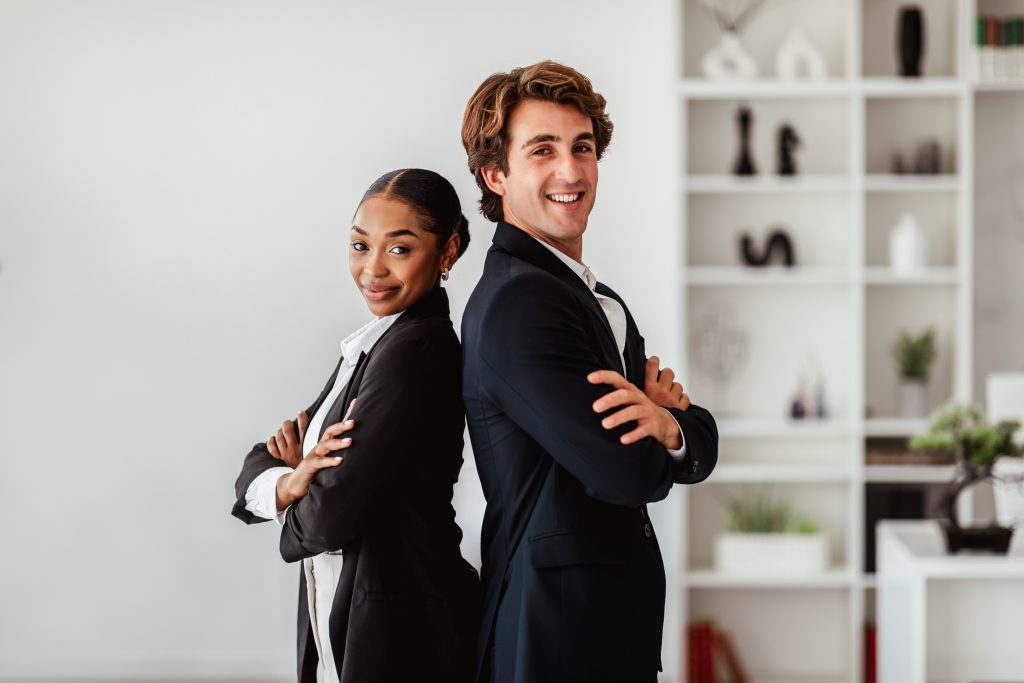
<point>912,87</point>
<point>1007,86</point>
<point>895,427</point>
<point>770,275</point>
<point>911,183</point>
<point>701,89</point>
<point>719,184</point>
<point>927,276</point>
<point>833,578</point>
<point>909,474</point>
<point>788,472</point>
<point>753,428</point>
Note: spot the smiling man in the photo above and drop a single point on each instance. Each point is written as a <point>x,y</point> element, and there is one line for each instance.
<point>574,429</point>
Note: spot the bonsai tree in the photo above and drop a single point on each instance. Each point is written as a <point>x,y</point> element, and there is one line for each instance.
<point>962,432</point>
<point>915,355</point>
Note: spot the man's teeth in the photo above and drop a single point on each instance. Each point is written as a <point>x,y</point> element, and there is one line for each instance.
<point>566,198</point>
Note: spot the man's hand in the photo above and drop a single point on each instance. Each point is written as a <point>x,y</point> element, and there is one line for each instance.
<point>284,445</point>
<point>652,420</point>
<point>295,485</point>
<point>661,387</point>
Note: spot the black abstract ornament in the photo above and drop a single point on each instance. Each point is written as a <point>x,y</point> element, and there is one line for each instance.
<point>778,243</point>
<point>788,141</point>
<point>910,40</point>
<point>744,165</point>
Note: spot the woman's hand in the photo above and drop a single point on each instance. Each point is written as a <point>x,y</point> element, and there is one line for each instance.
<point>295,485</point>
<point>652,419</point>
<point>661,387</point>
<point>284,445</point>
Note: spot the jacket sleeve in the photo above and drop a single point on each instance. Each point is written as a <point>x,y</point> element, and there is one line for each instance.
<point>701,435</point>
<point>394,393</point>
<point>535,357</point>
<point>259,460</point>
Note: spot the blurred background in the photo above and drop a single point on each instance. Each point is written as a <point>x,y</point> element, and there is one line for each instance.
<point>814,209</point>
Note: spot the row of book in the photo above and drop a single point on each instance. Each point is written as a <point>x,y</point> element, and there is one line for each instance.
<point>1000,48</point>
<point>712,656</point>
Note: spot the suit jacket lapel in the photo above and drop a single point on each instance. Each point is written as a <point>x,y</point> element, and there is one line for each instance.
<point>340,405</point>
<point>517,242</point>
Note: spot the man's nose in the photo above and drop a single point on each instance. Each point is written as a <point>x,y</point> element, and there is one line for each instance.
<point>568,169</point>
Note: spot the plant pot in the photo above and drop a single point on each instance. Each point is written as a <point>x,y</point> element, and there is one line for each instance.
<point>772,554</point>
<point>1009,495</point>
<point>995,539</point>
<point>913,398</point>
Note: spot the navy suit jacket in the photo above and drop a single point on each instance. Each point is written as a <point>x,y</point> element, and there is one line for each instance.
<point>573,579</point>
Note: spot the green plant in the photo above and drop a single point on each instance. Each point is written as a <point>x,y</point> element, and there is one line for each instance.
<point>762,515</point>
<point>915,354</point>
<point>962,432</point>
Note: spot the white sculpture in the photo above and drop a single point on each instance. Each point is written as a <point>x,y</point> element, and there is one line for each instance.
<point>798,57</point>
<point>908,247</point>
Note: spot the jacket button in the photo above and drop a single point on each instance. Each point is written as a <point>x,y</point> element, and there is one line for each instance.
<point>693,468</point>
<point>647,529</point>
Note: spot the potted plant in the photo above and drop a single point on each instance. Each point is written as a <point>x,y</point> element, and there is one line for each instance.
<point>962,432</point>
<point>768,537</point>
<point>914,356</point>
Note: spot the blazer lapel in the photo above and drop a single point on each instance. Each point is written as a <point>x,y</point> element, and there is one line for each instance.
<point>521,245</point>
<point>340,405</point>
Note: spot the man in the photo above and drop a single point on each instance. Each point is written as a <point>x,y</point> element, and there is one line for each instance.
<point>568,447</point>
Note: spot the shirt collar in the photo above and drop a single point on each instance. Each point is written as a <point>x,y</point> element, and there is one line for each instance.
<point>363,339</point>
<point>580,269</point>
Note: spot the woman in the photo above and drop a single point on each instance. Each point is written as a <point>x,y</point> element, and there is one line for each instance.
<point>385,593</point>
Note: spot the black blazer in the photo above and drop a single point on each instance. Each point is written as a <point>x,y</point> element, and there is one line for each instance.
<point>574,583</point>
<point>407,603</point>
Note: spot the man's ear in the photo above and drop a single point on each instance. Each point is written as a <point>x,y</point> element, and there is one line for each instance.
<point>495,179</point>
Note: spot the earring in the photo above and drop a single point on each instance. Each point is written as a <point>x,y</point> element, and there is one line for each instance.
<point>444,274</point>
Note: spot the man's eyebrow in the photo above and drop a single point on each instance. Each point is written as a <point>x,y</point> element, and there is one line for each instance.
<point>394,233</point>
<point>543,137</point>
<point>548,137</point>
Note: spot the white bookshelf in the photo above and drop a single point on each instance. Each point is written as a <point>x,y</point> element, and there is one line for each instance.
<point>841,304</point>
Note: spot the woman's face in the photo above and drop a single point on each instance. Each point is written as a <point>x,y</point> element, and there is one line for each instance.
<point>393,261</point>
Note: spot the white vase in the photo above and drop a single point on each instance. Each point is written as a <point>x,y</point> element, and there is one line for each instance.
<point>729,60</point>
<point>783,554</point>
<point>913,398</point>
<point>908,247</point>
<point>1009,496</point>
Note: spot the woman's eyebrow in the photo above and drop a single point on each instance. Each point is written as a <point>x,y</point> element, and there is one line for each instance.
<point>394,233</point>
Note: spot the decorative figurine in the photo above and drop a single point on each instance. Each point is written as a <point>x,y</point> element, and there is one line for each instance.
<point>778,241</point>
<point>744,165</point>
<point>798,57</point>
<point>788,141</point>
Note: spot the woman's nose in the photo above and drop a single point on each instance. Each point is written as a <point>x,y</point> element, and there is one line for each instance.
<point>375,265</point>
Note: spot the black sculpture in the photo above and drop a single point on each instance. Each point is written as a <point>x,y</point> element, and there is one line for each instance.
<point>788,141</point>
<point>910,40</point>
<point>778,241</point>
<point>745,163</point>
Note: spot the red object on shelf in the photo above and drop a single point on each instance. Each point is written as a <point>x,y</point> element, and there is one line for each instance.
<point>870,653</point>
<point>701,652</point>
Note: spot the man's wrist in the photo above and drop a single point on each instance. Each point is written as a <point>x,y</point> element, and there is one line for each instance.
<point>672,437</point>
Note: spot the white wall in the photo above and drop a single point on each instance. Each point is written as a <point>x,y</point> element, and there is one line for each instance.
<point>175,184</point>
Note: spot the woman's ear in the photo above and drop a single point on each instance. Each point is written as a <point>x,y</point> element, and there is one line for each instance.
<point>450,252</point>
<point>495,179</point>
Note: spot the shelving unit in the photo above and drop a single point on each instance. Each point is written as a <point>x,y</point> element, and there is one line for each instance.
<point>834,315</point>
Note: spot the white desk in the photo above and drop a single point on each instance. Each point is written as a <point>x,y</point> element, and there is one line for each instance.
<point>947,618</point>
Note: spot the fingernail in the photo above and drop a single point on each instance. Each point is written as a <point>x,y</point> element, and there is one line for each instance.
<point>348,423</point>
<point>337,459</point>
<point>346,441</point>
<point>604,423</point>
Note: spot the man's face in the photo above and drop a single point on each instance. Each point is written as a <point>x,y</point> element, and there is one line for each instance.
<point>551,183</point>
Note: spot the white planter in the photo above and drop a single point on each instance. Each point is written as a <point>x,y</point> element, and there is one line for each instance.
<point>1009,496</point>
<point>772,554</point>
<point>913,398</point>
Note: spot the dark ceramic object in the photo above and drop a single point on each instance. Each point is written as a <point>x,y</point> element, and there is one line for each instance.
<point>994,539</point>
<point>745,163</point>
<point>910,40</point>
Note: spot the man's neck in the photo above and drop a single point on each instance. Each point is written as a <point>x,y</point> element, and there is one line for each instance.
<point>571,248</point>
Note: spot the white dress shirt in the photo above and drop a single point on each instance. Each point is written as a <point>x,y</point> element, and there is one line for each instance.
<point>322,571</point>
<point>616,317</point>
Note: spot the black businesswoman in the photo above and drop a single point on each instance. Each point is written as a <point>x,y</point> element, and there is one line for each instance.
<point>362,482</point>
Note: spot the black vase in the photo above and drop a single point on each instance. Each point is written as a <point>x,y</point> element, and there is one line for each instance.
<point>911,40</point>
